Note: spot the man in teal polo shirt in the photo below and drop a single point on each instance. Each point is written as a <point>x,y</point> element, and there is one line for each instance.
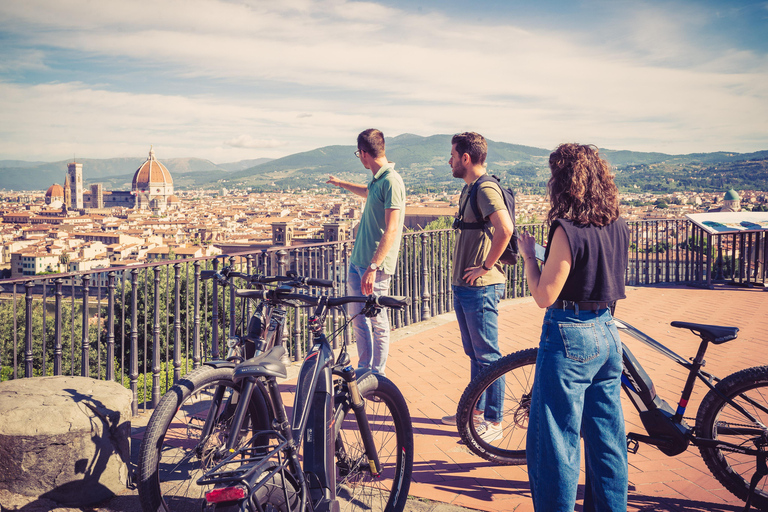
<point>377,244</point>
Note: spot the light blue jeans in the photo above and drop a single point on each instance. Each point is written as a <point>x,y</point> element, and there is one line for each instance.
<point>576,393</point>
<point>372,334</point>
<point>478,314</point>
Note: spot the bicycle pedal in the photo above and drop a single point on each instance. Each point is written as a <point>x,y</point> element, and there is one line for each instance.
<point>632,445</point>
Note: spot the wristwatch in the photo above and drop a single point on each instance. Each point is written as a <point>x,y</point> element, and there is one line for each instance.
<point>374,267</point>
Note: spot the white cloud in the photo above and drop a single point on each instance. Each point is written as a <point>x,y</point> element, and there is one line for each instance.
<point>307,73</point>
<point>246,141</point>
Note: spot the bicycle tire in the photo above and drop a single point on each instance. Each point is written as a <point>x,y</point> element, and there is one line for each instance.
<point>518,369</point>
<point>390,423</point>
<point>717,419</point>
<point>168,465</point>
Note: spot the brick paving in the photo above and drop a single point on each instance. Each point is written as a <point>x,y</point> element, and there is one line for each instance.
<point>428,364</point>
<point>432,371</point>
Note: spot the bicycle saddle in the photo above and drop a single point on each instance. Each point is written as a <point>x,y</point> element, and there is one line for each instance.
<point>717,334</point>
<point>269,364</point>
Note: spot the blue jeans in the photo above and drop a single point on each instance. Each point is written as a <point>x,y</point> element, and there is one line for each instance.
<point>478,314</point>
<point>372,334</point>
<point>577,393</point>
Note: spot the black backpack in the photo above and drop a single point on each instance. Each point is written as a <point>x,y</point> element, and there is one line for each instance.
<point>509,256</point>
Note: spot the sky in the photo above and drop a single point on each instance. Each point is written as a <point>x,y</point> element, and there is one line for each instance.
<point>228,80</point>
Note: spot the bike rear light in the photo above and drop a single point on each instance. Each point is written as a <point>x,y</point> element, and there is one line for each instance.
<point>223,494</point>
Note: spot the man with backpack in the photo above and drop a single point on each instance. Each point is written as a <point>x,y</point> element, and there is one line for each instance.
<point>485,228</point>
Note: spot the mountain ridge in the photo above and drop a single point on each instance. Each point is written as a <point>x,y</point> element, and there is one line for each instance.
<point>421,160</point>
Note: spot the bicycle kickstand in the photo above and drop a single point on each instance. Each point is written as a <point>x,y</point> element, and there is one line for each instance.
<point>762,470</point>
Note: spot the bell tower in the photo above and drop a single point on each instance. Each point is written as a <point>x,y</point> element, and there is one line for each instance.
<point>75,175</point>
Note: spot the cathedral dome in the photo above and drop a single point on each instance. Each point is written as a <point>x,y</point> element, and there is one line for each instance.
<point>731,195</point>
<point>151,174</point>
<point>55,191</point>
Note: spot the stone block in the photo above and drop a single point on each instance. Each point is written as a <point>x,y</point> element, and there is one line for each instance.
<point>64,439</point>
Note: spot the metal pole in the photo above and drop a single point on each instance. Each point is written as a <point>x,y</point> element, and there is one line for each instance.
<point>111,327</point>
<point>28,331</point>
<point>84,348</point>
<point>215,314</point>
<point>177,323</point>
<point>134,370</point>
<point>196,322</point>
<point>425,295</point>
<point>156,342</point>
<point>57,352</point>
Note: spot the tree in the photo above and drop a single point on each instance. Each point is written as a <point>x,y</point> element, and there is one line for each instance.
<point>441,223</point>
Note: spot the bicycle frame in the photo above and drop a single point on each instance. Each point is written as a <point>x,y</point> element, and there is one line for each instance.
<point>666,427</point>
<point>312,426</point>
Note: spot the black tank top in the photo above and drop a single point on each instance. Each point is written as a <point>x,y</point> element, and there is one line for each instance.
<point>599,260</point>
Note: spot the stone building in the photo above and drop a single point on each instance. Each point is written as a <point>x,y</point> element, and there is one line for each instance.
<point>153,186</point>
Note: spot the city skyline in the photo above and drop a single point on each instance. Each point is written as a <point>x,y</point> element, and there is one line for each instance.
<point>228,81</point>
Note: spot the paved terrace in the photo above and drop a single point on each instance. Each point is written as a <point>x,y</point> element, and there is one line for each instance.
<point>429,366</point>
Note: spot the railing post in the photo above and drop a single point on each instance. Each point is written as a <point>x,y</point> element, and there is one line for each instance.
<point>248,305</point>
<point>334,277</point>
<point>215,314</point>
<point>85,363</point>
<point>232,308</point>
<point>110,326</point>
<point>15,336</point>
<point>196,359</point>
<point>44,334</point>
<point>134,370</point>
<point>28,359</point>
<point>425,296</point>
<point>176,323</point>
<point>282,256</point>
<point>57,350</point>
<point>156,342</point>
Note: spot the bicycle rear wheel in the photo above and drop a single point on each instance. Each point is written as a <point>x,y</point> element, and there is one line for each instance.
<point>517,370</point>
<point>390,424</point>
<point>718,419</point>
<point>173,456</point>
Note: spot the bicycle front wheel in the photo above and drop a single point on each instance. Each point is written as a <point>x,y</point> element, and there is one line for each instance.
<point>390,424</point>
<point>173,455</point>
<point>718,419</point>
<point>517,370</point>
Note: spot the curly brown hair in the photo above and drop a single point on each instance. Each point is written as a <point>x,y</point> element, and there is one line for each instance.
<point>581,188</point>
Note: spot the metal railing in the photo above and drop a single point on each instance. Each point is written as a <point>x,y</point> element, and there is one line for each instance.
<point>147,325</point>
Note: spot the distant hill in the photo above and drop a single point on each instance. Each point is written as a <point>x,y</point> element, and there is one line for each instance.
<point>422,162</point>
<point>113,173</point>
<point>243,164</point>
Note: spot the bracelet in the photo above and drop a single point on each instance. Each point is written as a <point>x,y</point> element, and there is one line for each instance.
<point>485,268</point>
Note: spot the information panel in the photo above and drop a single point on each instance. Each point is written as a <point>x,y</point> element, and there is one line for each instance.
<point>718,223</point>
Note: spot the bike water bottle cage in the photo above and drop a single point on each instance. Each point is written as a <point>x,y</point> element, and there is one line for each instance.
<point>714,333</point>
<point>265,365</point>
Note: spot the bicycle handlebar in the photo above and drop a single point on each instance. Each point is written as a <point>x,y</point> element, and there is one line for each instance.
<point>278,295</point>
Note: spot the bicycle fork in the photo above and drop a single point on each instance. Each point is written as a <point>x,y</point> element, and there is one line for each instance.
<point>358,406</point>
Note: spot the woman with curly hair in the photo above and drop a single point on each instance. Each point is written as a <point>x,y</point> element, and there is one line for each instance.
<point>576,391</point>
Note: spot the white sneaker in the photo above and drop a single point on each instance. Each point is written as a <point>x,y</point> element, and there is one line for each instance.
<point>477,419</point>
<point>490,431</point>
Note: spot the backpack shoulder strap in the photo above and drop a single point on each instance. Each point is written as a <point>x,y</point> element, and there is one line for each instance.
<point>473,195</point>
<point>472,200</point>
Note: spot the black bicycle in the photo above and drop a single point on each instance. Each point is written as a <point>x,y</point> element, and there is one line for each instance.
<point>730,428</point>
<point>190,439</point>
<point>251,461</point>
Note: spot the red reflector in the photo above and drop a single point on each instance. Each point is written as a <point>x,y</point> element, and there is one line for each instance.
<point>223,494</point>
